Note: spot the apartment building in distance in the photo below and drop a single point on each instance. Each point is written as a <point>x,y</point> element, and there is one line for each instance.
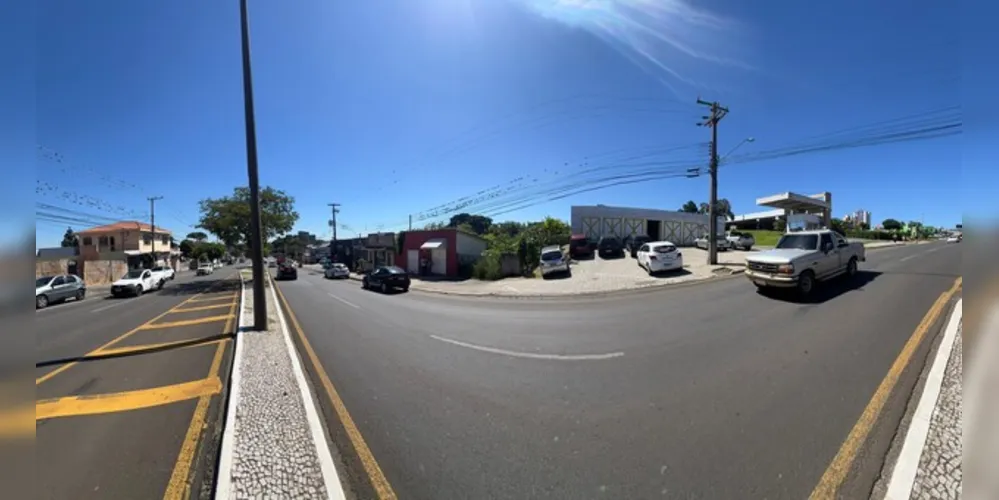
<point>133,241</point>
<point>860,217</point>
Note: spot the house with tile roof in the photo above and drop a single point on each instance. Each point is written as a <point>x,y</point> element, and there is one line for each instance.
<point>136,242</point>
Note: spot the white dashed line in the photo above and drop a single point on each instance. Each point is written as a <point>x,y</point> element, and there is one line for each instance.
<point>355,306</point>
<point>105,308</point>
<point>532,355</point>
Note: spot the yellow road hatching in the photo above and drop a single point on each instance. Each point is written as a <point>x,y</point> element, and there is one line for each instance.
<point>125,401</point>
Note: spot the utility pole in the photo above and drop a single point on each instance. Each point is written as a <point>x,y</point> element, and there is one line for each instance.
<point>256,242</point>
<point>334,207</point>
<point>152,223</point>
<point>410,222</point>
<point>717,113</point>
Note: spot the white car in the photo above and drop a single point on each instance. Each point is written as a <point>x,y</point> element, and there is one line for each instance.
<point>741,240</point>
<point>553,261</point>
<point>659,256</point>
<point>953,239</point>
<point>337,270</point>
<point>166,271</point>
<point>722,243</point>
<point>204,269</point>
<point>136,282</point>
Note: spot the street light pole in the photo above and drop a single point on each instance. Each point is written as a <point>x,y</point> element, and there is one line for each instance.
<point>257,240</point>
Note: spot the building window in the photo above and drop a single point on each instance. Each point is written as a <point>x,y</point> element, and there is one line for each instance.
<point>88,241</point>
<point>165,239</point>
<point>111,244</point>
<point>147,239</point>
<point>102,241</point>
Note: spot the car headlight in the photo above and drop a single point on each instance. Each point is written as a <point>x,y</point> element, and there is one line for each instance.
<point>785,269</point>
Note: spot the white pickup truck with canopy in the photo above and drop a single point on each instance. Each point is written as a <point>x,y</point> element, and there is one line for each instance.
<point>801,259</point>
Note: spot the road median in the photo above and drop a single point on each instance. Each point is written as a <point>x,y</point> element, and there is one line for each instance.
<point>274,444</point>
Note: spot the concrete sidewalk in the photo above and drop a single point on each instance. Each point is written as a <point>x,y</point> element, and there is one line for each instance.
<point>274,444</point>
<point>929,465</point>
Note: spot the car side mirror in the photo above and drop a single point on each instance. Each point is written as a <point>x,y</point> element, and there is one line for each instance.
<point>827,247</point>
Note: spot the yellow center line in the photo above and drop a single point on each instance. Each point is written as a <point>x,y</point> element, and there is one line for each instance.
<point>179,486</point>
<point>200,308</point>
<point>835,474</point>
<point>125,401</point>
<point>185,322</point>
<point>371,467</point>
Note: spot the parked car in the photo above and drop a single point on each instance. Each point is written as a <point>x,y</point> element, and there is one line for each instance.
<point>386,278</point>
<point>633,243</point>
<point>740,240</point>
<point>721,242</point>
<point>54,289</point>
<point>580,247</point>
<point>337,270</point>
<point>553,261</point>
<point>136,282</point>
<point>954,238</point>
<point>286,271</point>
<point>167,272</point>
<point>802,259</point>
<point>659,256</point>
<point>610,246</point>
<point>204,269</point>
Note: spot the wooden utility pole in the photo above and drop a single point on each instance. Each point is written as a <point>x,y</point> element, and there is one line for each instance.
<point>717,113</point>
<point>152,223</point>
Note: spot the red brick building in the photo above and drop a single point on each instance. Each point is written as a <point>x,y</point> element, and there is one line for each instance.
<point>444,250</point>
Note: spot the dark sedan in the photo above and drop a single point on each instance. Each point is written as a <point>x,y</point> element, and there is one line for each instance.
<point>287,272</point>
<point>610,246</point>
<point>386,278</point>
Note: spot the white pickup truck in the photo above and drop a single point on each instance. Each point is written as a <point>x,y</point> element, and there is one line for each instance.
<point>138,281</point>
<point>803,258</point>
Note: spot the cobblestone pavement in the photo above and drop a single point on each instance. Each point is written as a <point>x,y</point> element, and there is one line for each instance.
<point>273,453</point>
<point>939,474</point>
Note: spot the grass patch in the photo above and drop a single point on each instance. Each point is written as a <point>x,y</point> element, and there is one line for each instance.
<point>764,237</point>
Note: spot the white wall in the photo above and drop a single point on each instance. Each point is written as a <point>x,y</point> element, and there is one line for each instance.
<point>469,245</point>
<point>679,227</point>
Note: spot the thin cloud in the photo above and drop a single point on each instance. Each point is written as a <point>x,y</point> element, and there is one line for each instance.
<point>666,38</point>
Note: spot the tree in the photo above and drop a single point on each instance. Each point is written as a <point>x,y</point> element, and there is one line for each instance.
<point>690,207</point>
<point>208,251</point>
<point>197,236</point>
<point>838,225</point>
<point>722,208</point>
<point>186,248</point>
<point>780,225</point>
<point>891,225</point>
<point>432,226</point>
<point>508,228</point>
<point>69,239</point>
<point>863,226</point>
<point>228,218</point>
<point>478,223</point>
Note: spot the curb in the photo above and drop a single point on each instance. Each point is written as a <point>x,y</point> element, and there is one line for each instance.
<point>903,475</point>
<point>223,473</point>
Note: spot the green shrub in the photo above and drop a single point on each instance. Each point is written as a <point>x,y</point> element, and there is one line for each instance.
<point>488,268</point>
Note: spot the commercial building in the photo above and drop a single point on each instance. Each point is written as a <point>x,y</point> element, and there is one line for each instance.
<point>798,211</point>
<point>681,228</point>
<point>438,252</point>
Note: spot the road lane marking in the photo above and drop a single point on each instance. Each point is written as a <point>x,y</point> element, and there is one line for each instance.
<point>375,475</point>
<point>105,308</point>
<point>73,406</point>
<point>179,487</point>
<point>904,473</point>
<point>185,322</point>
<point>17,422</point>
<point>201,308</point>
<point>53,373</point>
<point>531,355</point>
<point>158,346</point>
<point>355,306</point>
<point>211,299</point>
<point>835,474</point>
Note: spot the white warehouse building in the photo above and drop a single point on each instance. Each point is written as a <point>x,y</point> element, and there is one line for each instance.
<point>681,228</point>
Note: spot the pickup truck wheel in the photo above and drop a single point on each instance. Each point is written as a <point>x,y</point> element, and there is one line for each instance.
<point>851,268</point>
<point>159,286</point>
<point>806,283</point>
<point>138,291</point>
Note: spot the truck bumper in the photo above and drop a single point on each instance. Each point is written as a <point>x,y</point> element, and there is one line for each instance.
<point>771,280</point>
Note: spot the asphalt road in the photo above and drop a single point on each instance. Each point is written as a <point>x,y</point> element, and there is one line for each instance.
<point>703,391</point>
<point>128,391</point>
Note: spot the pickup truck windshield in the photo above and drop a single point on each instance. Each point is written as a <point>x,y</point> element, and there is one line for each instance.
<point>799,241</point>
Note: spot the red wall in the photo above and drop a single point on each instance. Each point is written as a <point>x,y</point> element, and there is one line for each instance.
<point>415,239</point>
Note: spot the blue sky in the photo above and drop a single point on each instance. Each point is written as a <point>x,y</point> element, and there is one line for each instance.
<point>393,107</point>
